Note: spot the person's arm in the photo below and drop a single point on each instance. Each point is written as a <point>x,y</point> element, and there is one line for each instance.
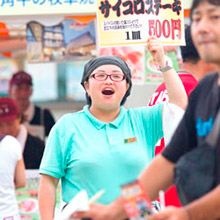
<point>114,211</point>
<point>176,92</point>
<point>47,196</point>
<point>157,176</point>
<point>19,177</point>
<point>207,207</point>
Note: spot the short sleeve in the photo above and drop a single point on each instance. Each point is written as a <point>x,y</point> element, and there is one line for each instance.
<point>14,146</point>
<point>53,161</point>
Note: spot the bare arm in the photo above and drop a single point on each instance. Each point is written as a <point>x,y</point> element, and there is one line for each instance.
<point>47,197</point>
<point>207,207</point>
<point>157,176</point>
<point>19,178</point>
<point>174,86</point>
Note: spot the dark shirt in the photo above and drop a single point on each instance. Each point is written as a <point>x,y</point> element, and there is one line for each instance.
<point>197,121</point>
<point>33,152</point>
<point>43,117</point>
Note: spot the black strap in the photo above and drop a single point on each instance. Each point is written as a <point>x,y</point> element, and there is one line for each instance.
<point>213,136</point>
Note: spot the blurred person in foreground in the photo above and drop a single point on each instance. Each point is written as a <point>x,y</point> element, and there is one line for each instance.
<point>10,124</point>
<point>204,103</point>
<point>20,89</point>
<point>192,68</point>
<point>12,175</point>
<point>104,145</point>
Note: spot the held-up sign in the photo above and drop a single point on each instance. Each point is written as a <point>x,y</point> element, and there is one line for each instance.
<point>130,22</point>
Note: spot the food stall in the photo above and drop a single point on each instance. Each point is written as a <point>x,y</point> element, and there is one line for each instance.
<point>13,44</point>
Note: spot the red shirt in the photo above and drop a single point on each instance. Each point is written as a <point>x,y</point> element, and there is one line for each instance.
<point>161,95</point>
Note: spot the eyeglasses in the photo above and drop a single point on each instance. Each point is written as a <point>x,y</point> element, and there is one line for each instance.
<point>116,77</point>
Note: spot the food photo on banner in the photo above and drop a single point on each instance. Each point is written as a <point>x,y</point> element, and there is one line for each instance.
<point>70,39</point>
<point>27,197</point>
<point>134,56</point>
<point>153,74</point>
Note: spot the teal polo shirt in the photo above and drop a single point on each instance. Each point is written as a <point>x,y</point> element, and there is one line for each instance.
<point>89,154</point>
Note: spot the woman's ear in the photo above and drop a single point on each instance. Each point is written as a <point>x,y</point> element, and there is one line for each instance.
<point>127,86</point>
<point>86,86</point>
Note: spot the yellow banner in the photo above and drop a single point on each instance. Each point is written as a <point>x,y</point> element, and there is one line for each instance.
<point>47,7</point>
<point>128,22</point>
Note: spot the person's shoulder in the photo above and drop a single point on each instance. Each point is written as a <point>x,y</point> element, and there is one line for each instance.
<point>185,75</point>
<point>47,111</point>
<point>145,110</point>
<point>10,140</point>
<point>204,86</point>
<point>11,143</point>
<point>206,82</point>
<point>209,78</point>
<point>37,108</point>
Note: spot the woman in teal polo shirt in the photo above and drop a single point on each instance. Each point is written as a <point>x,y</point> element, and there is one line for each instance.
<point>105,145</point>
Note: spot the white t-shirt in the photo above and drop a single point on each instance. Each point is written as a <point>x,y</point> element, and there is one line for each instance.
<point>10,151</point>
<point>172,115</point>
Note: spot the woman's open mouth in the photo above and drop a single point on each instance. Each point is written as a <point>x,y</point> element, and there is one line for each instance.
<point>108,91</point>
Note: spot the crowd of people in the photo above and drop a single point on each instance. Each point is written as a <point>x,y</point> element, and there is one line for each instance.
<point>191,132</point>
<point>105,146</point>
<point>19,148</point>
<point>20,89</point>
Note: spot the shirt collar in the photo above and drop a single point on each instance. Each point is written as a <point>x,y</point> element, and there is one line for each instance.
<point>100,124</point>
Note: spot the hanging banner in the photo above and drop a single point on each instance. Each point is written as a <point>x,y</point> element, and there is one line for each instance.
<point>47,7</point>
<point>126,22</point>
<point>66,41</point>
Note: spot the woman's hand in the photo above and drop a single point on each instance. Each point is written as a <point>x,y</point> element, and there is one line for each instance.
<point>114,211</point>
<point>96,212</point>
<point>176,92</point>
<point>156,49</point>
